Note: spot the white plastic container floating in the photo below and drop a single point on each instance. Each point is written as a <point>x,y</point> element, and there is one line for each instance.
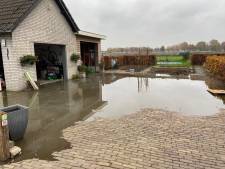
<point>14,151</point>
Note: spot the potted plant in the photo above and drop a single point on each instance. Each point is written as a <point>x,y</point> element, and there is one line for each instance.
<point>28,60</point>
<point>82,70</point>
<point>74,57</point>
<point>101,66</point>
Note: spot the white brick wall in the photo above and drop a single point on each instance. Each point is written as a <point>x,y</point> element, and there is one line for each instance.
<point>8,62</point>
<point>44,24</point>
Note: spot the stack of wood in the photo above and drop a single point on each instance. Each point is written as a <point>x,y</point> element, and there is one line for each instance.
<point>216,91</point>
<point>198,59</point>
<point>4,138</point>
<point>7,148</point>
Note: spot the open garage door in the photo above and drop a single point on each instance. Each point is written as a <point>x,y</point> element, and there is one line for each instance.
<point>89,54</point>
<point>2,74</point>
<point>51,63</point>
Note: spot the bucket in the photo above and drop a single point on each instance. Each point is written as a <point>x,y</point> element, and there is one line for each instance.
<point>17,121</point>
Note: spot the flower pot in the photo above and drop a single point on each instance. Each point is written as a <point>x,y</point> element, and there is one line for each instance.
<point>82,74</point>
<point>17,121</point>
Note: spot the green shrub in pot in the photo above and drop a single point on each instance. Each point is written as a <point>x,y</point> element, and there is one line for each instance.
<point>74,57</point>
<point>90,70</point>
<point>28,60</point>
<point>75,77</point>
<point>82,68</point>
<point>101,66</point>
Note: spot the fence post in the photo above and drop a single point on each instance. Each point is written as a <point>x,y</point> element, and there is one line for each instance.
<point>4,137</point>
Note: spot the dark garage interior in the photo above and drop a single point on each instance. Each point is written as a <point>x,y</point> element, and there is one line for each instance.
<point>2,74</point>
<point>89,53</point>
<point>51,63</point>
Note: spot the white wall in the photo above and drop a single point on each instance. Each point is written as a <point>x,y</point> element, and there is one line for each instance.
<point>8,63</point>
<point>45,24</point>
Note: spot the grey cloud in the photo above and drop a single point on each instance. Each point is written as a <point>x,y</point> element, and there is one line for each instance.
<point>150,22</point>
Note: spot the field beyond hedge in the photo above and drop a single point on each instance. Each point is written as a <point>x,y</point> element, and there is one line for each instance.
<point>172,61</point>
<point>169,58</point>
<point>216,65</point>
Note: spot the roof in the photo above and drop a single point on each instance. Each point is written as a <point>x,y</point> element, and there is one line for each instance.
<point>13,12</point>
<point>92,35</point>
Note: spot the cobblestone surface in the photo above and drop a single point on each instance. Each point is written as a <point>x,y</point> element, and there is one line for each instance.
<point>148,139</point>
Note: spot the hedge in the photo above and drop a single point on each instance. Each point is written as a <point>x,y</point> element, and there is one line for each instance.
<point>198,59</point>
<point>216,65</point>
<point>129,60</point>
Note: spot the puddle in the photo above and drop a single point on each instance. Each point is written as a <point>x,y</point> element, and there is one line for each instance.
<point>59,105</point>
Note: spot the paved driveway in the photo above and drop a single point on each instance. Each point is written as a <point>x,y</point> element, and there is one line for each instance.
<point>148,139</point>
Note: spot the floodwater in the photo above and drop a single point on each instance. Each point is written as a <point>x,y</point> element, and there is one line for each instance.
<point>186,96</point>
<point>52,109</point>
<point>58,106</point>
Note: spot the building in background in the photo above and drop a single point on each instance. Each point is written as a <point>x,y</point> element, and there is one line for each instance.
<point>46,29</point>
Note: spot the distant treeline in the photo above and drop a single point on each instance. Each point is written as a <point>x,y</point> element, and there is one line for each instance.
<point>213,46</point>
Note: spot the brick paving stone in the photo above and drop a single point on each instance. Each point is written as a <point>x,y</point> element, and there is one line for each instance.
<point>147,139</point>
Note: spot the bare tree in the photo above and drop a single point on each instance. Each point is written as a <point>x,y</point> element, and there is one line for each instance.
<point>184,46</point>
<point>202,46</point>
<point>223,46</point>
<point>162,48</point>
<point>214,45</point>
<point>191,47</point>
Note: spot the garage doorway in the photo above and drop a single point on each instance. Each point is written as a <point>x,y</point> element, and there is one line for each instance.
<point>89,54</point>
<point>2,73</point>
<point>51,65</point>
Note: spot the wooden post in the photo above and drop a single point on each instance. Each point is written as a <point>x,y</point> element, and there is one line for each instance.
<point>4,137</point>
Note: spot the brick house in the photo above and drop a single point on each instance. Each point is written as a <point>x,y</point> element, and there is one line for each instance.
<point>46,29</point>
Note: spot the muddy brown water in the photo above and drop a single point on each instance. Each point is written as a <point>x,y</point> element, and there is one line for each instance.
<point>58,106</point>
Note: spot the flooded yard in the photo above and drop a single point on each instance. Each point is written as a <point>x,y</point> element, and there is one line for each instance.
<point>58,106</point>
<point>185,96</point>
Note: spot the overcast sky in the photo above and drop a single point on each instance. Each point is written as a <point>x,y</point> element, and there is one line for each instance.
<point>150,23</point>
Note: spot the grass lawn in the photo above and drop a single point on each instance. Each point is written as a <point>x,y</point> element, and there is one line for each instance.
<point>169,58</point>
<point>172,61</point>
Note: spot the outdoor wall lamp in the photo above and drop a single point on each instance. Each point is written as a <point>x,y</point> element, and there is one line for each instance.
<point>3,43</point>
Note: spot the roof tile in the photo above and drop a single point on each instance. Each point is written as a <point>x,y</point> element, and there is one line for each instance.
<point>11,12</point>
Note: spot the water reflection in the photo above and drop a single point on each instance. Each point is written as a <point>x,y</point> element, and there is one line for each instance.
<point>173,93</point>
<point>143,84</point>
<point>52,109</point>
<point>57,106</point>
